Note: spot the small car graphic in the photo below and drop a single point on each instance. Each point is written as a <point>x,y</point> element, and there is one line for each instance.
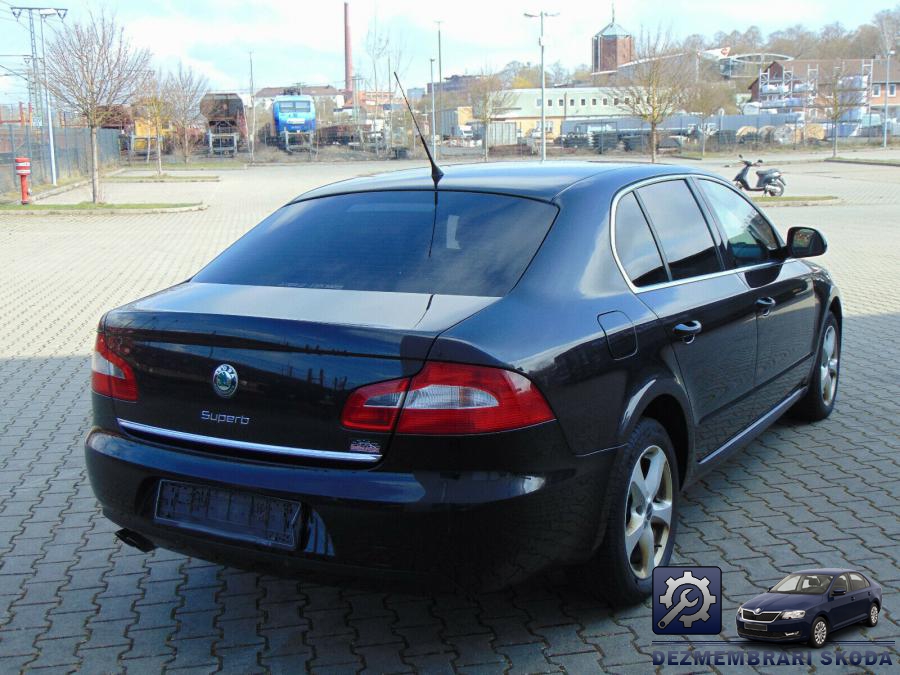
<point>810,605</point>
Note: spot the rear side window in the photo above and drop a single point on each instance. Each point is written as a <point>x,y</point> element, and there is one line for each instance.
<point>635,245</point>
<point>751,240</point>
<point>681,228</point>
<point>469,244</point>
<point>857,582</point>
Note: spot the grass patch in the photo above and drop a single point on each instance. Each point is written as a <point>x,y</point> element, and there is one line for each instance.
<point>90,206</point>
<point>165,178</point>
<point>768,199</point>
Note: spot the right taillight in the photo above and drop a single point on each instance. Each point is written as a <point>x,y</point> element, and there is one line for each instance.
<point>448,398</point>
<point>110,374</point>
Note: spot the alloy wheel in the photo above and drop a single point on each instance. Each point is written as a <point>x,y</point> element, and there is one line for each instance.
<point>820,632</point>
<point>648,512</point>
<point>828,366</point>
<point>873,615</point>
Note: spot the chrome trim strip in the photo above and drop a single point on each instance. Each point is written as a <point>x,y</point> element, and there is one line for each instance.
<point>757,427</point>
<point>745,612</point>
<point>246,445</point>
<point>678,282</point>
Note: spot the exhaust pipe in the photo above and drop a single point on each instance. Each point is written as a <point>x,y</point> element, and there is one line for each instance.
<point>138,541</point>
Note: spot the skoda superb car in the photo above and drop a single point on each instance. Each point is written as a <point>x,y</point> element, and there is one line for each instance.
<point>810,605</point>
<point>521,365</point>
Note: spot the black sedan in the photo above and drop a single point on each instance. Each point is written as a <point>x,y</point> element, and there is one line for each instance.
<point>810,605</point>
<point>520,366</point>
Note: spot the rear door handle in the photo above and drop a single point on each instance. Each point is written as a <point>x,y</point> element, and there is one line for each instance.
<point>688,331</point>
<point>765,305</point>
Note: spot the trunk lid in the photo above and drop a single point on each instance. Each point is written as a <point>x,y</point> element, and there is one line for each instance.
<point>296,353</point>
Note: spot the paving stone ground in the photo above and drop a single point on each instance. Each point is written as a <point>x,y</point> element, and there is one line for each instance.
<point>73,599</point>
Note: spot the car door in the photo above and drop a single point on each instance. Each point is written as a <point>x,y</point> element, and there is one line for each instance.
<point>840,607</point>
<point>704,309</point>
<point>782,290</point>
<point>860,595</point>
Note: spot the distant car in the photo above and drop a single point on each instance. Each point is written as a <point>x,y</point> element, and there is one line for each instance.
<point>810,605</point>
<point>520,367</point>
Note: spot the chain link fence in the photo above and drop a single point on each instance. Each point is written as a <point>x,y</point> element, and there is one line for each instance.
<point>72,146</point>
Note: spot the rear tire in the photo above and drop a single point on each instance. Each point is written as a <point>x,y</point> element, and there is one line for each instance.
<point>820,398</point>
<point>643,512</point>
<point>872,619</point>
<point>776,189</point>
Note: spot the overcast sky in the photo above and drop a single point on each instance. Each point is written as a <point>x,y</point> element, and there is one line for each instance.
<point>302,40</point>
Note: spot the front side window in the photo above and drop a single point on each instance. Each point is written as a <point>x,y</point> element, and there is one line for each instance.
<point>635,245</point>
<point>469,244</point>
<point>751,240</point>
<point>681,228</point>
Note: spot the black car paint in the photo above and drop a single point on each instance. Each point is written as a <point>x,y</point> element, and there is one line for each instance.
<point>496,506</point>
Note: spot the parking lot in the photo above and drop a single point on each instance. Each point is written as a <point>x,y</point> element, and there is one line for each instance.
<point>74,599</point>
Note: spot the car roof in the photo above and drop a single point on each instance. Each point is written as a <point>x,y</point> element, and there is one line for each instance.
<point>536,180</point>
<point>826,570</point>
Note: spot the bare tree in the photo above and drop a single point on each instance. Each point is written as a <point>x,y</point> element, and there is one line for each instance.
<point>156,107</point>
<point>705,98</point>
<point>378,45</point>
<point>92,68</point>
<point>653,87</point>
<point>839,91</point>
<point>184,89</point>
<point>489,99</point>
<point>887,22</point>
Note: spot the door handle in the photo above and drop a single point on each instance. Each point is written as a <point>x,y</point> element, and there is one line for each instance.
<point>765,305</point>
<point>688,331</point>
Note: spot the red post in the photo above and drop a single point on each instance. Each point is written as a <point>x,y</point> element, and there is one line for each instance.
<point>23,170</point>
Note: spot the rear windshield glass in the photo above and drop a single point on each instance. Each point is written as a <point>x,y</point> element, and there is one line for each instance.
<point>470,244</point>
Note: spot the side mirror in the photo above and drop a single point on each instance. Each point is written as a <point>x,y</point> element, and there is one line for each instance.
<point>838,590</point>
<point>805,242</point>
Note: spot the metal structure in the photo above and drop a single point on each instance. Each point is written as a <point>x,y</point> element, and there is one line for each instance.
<point>541,15</point>
<point>35,93</point>
<point>227,126</point>
<point>433,128</point>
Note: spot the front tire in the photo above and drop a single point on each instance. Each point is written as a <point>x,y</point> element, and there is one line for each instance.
<point>819,633</point>
<point>643,510</point>
<point>819,400</point>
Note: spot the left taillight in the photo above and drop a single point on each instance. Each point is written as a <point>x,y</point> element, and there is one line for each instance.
<point>110,374</point>
<point>448,398</point>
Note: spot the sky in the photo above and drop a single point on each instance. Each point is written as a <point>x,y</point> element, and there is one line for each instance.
<point>302,40</point>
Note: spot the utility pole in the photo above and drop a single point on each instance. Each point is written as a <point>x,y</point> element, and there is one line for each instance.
<point>34,92</point>
<point>433,129</point>
<point>441,82</point>
<point>252,110</point>
<point>541,15</point>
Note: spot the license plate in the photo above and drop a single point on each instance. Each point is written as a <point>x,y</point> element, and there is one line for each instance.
<point>756,626</point>
<point>229,513</point>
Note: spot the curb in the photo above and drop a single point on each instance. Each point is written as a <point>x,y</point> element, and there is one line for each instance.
<point>811,202</point>
<point>142,179</point>
<point>102,212</point>
<point>864,162</point>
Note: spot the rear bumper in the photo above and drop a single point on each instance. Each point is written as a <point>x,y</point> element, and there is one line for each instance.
<point>476,529</point>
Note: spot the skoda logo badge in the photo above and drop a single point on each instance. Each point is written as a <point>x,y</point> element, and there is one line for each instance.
<point>225,380</point>
<point>757,610</point>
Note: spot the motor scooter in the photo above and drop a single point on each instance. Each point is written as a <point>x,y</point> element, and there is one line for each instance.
<point>769,181</point>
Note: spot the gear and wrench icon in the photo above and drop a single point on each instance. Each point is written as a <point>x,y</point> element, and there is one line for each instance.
<point>701,584</point>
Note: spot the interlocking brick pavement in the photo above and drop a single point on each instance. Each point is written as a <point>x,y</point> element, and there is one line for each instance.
<point>73,599</point>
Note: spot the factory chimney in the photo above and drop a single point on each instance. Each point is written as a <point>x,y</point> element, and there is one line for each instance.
<point>348,56</point>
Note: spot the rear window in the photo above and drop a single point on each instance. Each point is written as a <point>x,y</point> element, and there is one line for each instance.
<point>469,244</point>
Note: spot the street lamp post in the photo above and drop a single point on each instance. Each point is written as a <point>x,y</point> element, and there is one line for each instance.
<point>441,82</point>
<point>433,129</point>
<point>541,16</point>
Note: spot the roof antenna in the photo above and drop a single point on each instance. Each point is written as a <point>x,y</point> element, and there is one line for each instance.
<point>436,173</point>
